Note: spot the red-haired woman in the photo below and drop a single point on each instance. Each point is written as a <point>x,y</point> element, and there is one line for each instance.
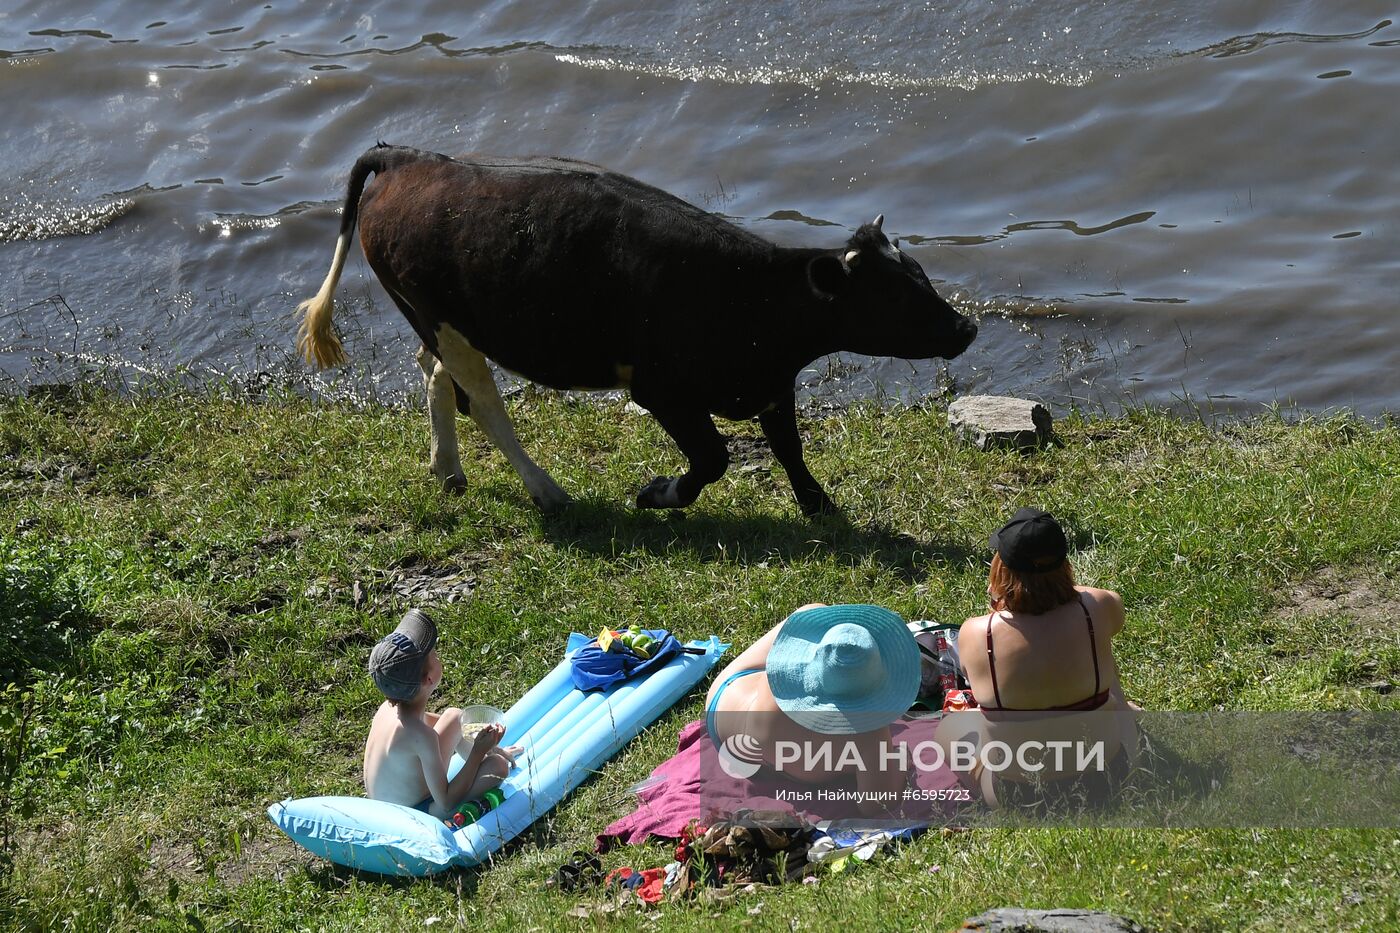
<point>1042,655</point>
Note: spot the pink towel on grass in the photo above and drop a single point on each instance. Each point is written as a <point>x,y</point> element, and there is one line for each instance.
<point>688,786</point>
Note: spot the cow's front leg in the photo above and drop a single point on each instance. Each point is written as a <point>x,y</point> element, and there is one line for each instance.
<point>444,459</point>
<point>779,425</point>
<point>695,434</point>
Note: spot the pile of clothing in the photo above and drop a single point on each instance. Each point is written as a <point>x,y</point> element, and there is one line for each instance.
<point>734,854</point>
<point>749,848</point>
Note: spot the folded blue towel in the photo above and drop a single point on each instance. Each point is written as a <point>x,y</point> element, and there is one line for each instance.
<point>596,669</point>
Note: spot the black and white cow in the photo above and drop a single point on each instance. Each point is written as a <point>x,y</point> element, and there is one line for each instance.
<point>579,278</point>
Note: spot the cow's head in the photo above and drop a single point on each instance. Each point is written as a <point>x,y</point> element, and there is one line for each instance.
<point>884,301</point>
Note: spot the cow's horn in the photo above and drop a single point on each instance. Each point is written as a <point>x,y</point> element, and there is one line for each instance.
<point>852,256</point>
<point>879,221</point>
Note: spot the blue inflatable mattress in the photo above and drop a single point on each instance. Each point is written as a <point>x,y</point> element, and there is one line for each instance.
<point>567,735</point>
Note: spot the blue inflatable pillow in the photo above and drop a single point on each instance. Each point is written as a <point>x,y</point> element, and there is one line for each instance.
<point>368,834</point>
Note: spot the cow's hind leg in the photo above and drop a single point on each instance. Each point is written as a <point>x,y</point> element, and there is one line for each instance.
<point>444,459</point>
<point>468,368</point>
<point>695,434</point>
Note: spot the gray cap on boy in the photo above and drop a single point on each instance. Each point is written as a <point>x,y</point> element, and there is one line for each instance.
<point>397,662</point>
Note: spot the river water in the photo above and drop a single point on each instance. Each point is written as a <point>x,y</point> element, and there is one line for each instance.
<point>1190,204</point>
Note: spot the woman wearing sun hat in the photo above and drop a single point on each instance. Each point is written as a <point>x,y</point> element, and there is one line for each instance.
<point>1042,653</point>
<point>825,673</point>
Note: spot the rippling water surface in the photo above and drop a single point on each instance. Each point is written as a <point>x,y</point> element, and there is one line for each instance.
<point>1190,204</point>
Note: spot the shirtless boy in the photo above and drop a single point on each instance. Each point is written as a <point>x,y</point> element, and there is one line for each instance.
<point>408,749</point>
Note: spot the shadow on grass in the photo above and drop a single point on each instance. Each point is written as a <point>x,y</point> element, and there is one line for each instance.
<point>1164,788</point>
<point>1163,772</point>
<point>605,529</point>
<point>331,877</point>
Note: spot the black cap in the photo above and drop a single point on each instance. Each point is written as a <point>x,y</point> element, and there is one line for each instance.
<point>1032,542</point>
<point>397,662</point>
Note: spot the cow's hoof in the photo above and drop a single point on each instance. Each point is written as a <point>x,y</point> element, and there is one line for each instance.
<point>660,493</point>
<point>551,499</point>
<point>550,505</point>
<point>454,483</point>
<point>818,506</point>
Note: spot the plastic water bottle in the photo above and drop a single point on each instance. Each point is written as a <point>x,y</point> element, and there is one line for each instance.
<point>473,810</point>
<point>465,815</point>
<point>947,666</point>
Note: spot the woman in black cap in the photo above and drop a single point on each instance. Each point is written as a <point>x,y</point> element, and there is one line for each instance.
<point>1042,651</point>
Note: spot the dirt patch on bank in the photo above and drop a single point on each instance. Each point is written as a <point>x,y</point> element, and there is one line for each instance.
<point>263,853</point>
<point>1360,616</point>
<point>270,855</point>
<point>153,860</point>
<point>1366,598</point>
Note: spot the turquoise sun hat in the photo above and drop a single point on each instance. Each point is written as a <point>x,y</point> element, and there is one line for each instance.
<point>840,670</point>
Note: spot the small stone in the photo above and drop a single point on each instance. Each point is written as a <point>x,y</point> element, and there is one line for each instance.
<point>1381,686</point>
<point>1305,752</point>
<point>988,421</point>
<point>632,408</point>
<point>1020,920</point>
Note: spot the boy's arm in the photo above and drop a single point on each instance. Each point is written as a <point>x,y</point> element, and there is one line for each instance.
<point>446,794</point>
<point>425,746</point>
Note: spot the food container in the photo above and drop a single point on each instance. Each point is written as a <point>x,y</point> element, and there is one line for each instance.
<point>476,718</point>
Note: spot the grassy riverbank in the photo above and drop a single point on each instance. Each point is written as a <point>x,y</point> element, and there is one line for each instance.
<point>189,588</point>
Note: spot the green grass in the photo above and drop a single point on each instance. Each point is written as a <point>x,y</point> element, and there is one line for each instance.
<point>178,621</point>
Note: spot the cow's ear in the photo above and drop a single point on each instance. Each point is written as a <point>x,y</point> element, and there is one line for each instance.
<point>827,275</point>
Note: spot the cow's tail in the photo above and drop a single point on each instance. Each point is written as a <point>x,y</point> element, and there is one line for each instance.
<point>316,339</point>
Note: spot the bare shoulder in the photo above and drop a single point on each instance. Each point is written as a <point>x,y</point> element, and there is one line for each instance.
<point>974,627</point>
<point>975,623</point>
<point>385,721</point>
<point>1109,606</point>
<point>415,735</point>
<point>1105,598</point>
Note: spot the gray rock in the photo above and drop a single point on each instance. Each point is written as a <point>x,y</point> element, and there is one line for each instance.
<point>1063,920</point>
<point>427,585</point>
<point>988,421</point>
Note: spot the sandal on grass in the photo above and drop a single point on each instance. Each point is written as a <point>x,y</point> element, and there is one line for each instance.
<point>582,870</point>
